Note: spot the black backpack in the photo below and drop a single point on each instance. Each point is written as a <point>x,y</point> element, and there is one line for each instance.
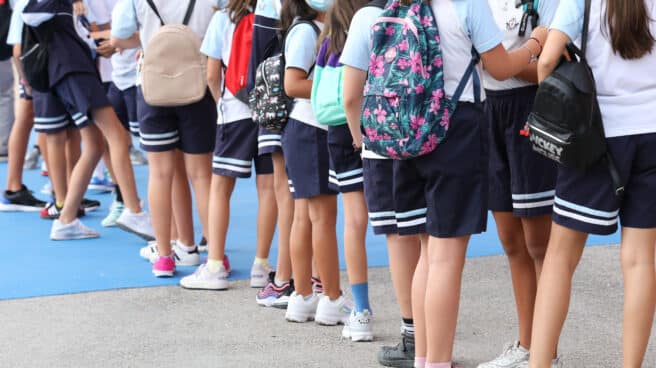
<point>5,21</point>
<point>270,105</point>
<point>34,56</point>
<point>566,124</point>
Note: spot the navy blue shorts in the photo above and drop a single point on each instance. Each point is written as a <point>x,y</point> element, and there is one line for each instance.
<point>235,151</point>
<point>69,103</point>
<point>306,157</point>
<point>269,141</point>
<point>586,200</point>
<point>447,189</point>
<point>379,193</point>
<point>345,174</point>
<point>521,181</point>
<point>125,105</point>
<point>190,128</point>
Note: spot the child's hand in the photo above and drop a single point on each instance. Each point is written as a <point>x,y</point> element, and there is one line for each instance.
<point>106,34</point>
<point>540,34</point>
<point>79,8</point>
<point>105,49</point>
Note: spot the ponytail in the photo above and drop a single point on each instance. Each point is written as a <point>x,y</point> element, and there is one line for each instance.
<point>238,9</point>
<point>628,23</point>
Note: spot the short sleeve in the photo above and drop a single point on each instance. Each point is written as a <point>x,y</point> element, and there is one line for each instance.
<point>15,34</point>
<point>356,50</point>
<point>267,8</point>
<point>569,18</point>
<point>213,41</point>
<point>124,21</point>
<point>98,12</point>
<point>547,10</point>
<point>300,47</point>
<point>481,27</point>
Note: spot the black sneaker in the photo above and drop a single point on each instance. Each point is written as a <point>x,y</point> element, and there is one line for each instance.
<point>401,356</point>
<point>23,200</point>
<point>202,246</point>
<point>89,204</point>
<point>52,212</point>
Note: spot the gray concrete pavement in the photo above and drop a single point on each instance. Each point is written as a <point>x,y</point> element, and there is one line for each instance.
<point>171,327</point>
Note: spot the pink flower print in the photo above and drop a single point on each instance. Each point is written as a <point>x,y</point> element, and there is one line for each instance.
<point>415,8</point>
<point>403,82</point>
<point>403,46</point>
<point>367,87</point>
<point>389,30</point>
<point>375,28</point>
<point>435,107</point>
<point>392,126</point>
<point>437,38</point>
<point>376,65</point>
<point>403,141</point>
<point>415,60</point>
<point>446,119</point>
<point>394,102</point>
<point>403,63</point>
<point>437,96</point>
<point>417,122</point>
<point>390,54</point>
<point>429,145</point>
<point>419,89</point>
<point>426,21</point>
<point>394,5</point>
<point>387,93</point>
<point>367,113</point>
<point>372,134</point>
<point>392,153</point>
<point>437,62</point>
<point>380,113</point>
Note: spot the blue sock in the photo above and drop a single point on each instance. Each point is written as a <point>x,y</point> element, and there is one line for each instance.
<point>361,296</point>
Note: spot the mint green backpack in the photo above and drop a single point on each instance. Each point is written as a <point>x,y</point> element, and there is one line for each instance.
<point>327,88</point>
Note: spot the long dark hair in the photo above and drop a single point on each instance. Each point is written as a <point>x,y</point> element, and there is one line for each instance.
<point>292,9</point>
<point>628,23</point>
<point>238,9</point>
<point>338,21</point>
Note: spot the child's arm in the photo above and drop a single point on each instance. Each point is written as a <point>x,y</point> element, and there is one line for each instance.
<point>297,84</point>
<point>214,70</point>
<point>503,65</point>
<point>130,43</point>
<point>553,51</point>
<point>530,73</point>
<point>354,81</point>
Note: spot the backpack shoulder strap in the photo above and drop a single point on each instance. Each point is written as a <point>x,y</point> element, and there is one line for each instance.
<point>152,6</point>
<point>469,73</point>
<point>190,10</point>
<point>586,25</point>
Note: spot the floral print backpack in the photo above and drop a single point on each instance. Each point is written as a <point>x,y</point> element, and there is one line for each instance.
<point>405,111</point>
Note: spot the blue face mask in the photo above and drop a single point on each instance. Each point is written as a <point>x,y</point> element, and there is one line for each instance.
<point>319,5</point>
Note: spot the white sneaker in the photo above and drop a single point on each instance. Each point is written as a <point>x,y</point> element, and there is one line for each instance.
<point>181,256</point>
<point>333,312</point>
<point>260,275</point>
<point>554,364</point>
<point>204,279</point>
<point>301,309</point>
<point>512,356</point>
<point>72,231</point>
<point>359,327</point>
<point>115,211</point>
<point>136,223</point>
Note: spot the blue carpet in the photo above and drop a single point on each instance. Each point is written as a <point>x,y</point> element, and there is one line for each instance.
<point>32,265</point>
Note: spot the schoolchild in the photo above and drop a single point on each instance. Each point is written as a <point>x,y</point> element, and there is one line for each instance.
<point>521,182</point>
<point>171,134</point>
<point>620,52</point>
<point>76,97</point>
<point>304,143</point>
<point>236,149</point>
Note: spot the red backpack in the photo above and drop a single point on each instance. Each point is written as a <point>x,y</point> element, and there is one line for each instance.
<point>236,74</point>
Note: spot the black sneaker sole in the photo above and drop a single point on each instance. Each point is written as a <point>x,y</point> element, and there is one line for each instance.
<point>10,207</point>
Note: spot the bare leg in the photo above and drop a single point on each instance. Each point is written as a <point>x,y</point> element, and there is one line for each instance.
<point>639,293</point>
<point>199,171</point>
<point>404,254</point>
<point>56,143</point>
<point>222,187</point>
<point>323,215</point>
<point>419,283</point>
<point>301,248</point>
<point>536,233</point>
<point>522,271</point>
<point>355,232</point>
<point>267,213</point>
<point>182,221</point>
<point>446,258</point>
<point>73,150</point>
<point>285,216</point>
<point>554,290</point>
<point>162,167</point>
<point>18,140</point>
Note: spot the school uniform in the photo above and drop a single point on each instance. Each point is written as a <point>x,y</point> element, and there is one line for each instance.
<point>585,200</point>
<point>447,189</point>
<point>377,171</point>
<point>521,181</point>
<point>304,139</point>
<point>265,43</point>
<point>75,89</point>
<point>236,136</point>
<point>190,128</point>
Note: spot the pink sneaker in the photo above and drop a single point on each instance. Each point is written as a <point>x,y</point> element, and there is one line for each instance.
<point>226,263</point>
<point>164,267</point>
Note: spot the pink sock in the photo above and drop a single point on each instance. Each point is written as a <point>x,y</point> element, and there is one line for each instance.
<point>438,365</point>
<point>420,362</point>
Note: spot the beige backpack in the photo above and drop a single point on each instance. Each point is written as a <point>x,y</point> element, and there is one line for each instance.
<point>173,70</point>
